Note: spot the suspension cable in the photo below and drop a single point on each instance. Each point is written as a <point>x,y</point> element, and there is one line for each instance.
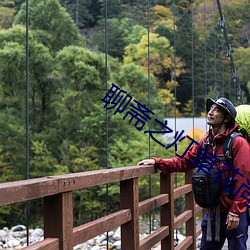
<point>149,148</point>
<point>175,94</point>
<point>27,207</point>
<point>215,53</point>
<point>107,121</point>
<point>174,75</point>
<point>229,53</point>
<point>192,24</point>
<point>205,50</point>
<point>222,68</point>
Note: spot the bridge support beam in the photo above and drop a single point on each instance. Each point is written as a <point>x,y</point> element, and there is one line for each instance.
<point>58,219</point>
<point>130,199</point>
<point>167,210</point>
<point>190,205</point>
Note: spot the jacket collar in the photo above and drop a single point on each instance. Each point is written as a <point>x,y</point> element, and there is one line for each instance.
<point>219,137</point>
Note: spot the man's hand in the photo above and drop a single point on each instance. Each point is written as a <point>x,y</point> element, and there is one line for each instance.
<point>146,162</point>
<point>232,221</point>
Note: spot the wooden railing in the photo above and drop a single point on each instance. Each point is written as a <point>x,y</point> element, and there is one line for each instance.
<point>59,232</point>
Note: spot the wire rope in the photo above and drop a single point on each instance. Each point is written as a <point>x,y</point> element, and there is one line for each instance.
<point>27,207</point>
<point>175,91</point>
<point>205,49</point>
<point>229,83</point>
<point>77,13</point>
<point>192,77</point>
<point>236,83</point>
<point>174,61</point>
<point>149,148</point>
<point>215,53</point>
<point>106,82</point>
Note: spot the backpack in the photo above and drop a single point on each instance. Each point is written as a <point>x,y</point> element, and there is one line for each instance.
<point>243,120</point>
<point>206,189</point>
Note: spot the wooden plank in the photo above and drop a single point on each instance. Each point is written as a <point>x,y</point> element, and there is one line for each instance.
<point>58,219</point>
<point>152,203</point>
<point>190,205</point>
<point>198,231</point>
<point>182,190</point>
<point>154,238</point>
<point>182,218</point>
<point>98,177</point>
<point>46,244</point>
<point>90,230</point>
<point>198,208</point>
<point>24,190</point>
<point>167,210</point>
<point>185,244</point>
<point>129,196</point>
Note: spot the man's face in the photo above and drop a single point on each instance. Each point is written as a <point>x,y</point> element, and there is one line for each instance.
<point>215,116</point>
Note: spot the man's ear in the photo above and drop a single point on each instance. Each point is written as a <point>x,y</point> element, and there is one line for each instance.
<point>228,118</point>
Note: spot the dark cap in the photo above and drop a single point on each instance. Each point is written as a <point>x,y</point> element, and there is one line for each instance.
<point>223,103</point>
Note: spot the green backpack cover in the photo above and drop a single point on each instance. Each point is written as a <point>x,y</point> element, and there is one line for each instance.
<point>243,118</point>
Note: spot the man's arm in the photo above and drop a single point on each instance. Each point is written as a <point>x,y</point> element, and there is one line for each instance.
<point>174,164</point>
<point>241,161</point>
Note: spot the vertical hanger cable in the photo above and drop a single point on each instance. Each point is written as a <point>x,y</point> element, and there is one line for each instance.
<point>149,148</point>
<point>106,82</point>
<point>236,82</point>
<point>27,207</point>
<point>205,50</point>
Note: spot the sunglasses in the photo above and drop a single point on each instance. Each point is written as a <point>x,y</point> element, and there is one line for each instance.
<point>219,101</point>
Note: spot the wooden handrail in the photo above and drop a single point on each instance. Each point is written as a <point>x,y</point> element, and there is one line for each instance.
<point>58,208</point>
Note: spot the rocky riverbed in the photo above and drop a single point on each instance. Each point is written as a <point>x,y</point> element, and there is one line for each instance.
<point>16,238</point>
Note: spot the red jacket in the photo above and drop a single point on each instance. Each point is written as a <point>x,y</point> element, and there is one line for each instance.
<point>241,161</point>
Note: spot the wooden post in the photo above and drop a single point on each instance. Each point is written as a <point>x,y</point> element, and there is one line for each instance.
<point>129,197</point>
<point>58,219</point>
<point>167,210</point>
<point>190,205</point>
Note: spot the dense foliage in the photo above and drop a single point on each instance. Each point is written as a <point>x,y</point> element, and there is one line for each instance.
<point>70,59</point>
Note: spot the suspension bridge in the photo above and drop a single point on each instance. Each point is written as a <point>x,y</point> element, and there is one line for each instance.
<point>57,191</point>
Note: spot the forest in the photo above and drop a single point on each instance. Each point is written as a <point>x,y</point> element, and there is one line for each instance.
<point>167,55</point>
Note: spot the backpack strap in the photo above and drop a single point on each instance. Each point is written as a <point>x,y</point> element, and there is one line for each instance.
<point>204,145</point>
<point>227,147</point>
<point>227,151</point>
<point>217,217</point>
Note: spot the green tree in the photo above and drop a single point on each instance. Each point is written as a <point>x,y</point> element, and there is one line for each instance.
<point>117,32</point>
<point>161,57</point>
<point>42,163</point>
<point>6,17</point>
<point>241,56</point>
<point>13,60</point>
<point>84,13</point>
<point>53,25</point>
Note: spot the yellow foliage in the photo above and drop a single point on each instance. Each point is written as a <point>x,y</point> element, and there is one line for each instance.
<point>161,15</point>
<point>166,96</point>
<point>6,17</point>
<point>197,133</point>
<point>179,69</point>
<point>172,84</point>
<point>173,112</point>
<point>203,114</point>
<point>160,53</point>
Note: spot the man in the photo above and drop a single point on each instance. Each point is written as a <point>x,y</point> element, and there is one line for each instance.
<point>221,115</point>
